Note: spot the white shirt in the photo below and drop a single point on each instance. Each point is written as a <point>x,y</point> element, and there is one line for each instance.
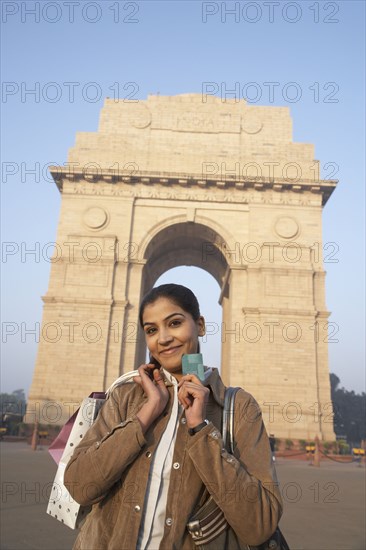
<point>153,518</point>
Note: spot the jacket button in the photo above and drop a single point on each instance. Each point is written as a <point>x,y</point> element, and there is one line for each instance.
<point>176,465</point>
<point>168,521</point>
<point>137,508</point>
<point>148,454</point>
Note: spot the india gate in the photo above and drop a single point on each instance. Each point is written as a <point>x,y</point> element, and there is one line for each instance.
<point>197,181</point>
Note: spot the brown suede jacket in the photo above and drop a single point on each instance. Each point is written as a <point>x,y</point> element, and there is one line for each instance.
<point>110,467</point>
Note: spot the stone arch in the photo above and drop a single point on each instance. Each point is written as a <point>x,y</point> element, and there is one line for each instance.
<point>224,237</point>
<point>184,243</point>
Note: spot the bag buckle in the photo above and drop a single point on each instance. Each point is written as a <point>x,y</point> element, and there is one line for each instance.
<point>194,527</point>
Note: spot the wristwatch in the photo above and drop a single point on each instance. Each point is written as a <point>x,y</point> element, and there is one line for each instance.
<point>198,428</point>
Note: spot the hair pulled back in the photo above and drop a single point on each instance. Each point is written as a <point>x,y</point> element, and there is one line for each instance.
<point>178,294</point>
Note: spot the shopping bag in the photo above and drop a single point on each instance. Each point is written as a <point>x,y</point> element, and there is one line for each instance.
<point>61,505</point>
<point>58,445</point>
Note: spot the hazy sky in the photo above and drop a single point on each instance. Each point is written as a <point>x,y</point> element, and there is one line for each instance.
<point>61,59</point>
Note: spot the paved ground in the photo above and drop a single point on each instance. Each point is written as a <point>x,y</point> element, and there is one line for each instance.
<point>324,507</point>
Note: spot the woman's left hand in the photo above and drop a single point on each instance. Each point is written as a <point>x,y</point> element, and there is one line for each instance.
<point>193,396</point>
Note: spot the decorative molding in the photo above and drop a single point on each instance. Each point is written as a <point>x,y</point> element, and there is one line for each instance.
<point>95,218</point>
<point>256,311</point>
<point>109,183</point>
<point>137,261</point>
<point>120,303</point>
<point>251,123</point>
<point>232,196</point>
<point>279,269</point>
<point>286,227</point>
<point>54,299</point>
<point>323,314</point>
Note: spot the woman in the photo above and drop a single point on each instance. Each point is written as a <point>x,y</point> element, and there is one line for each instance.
<point>155,452</point>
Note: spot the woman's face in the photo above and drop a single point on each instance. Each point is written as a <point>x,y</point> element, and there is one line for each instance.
<point>170,332</point>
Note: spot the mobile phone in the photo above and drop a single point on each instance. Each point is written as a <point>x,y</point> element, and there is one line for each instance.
<point>192,363</point>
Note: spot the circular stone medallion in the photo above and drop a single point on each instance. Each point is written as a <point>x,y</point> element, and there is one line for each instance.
<point>95,217</point>
<point>286,227</point>
<point>251,124</point>
<point>139,116</point>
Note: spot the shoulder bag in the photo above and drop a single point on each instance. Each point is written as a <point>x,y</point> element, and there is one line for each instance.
<point>208,527</point>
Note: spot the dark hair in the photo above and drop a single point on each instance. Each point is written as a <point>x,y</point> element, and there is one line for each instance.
<point>179,294</point>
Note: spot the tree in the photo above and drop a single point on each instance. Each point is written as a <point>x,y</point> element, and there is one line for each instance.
<point>349,412</point>
<point>12,410</point>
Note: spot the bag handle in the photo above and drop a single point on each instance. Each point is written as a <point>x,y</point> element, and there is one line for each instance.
<point>228,419</point>
<point>123,379</point>
<point>277,541</point>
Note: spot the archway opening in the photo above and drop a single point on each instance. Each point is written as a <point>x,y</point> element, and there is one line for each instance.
<point>192,254</point>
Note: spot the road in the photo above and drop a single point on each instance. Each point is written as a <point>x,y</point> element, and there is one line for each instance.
<point>325,507</point>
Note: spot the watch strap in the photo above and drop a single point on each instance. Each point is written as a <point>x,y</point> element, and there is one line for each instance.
<point>198,428</point>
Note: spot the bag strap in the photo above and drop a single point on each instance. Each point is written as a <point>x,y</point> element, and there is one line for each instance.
<point>123,379</point>
<point>277,541</point>
<point>206,529</point>
<point>228,419</point>
<point>209,521</point>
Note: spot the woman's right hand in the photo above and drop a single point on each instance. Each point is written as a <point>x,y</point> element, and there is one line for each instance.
<point>156,392</point>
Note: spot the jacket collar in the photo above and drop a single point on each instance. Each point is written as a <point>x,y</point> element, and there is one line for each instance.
<point>213,380</point>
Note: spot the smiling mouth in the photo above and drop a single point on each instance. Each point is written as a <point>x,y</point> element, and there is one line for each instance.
<point>170,351</point>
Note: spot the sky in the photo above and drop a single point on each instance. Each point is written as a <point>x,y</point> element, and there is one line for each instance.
<point>61,59</point>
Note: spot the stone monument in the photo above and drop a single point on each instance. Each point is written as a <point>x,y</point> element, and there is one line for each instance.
<point>191,180</point>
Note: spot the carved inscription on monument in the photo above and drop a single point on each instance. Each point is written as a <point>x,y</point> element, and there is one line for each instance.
<point>198,122</point>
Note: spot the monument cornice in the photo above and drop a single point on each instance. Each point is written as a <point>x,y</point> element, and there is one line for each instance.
<point>57,299</point>
<point>185,180</point>
<point>285,312</point>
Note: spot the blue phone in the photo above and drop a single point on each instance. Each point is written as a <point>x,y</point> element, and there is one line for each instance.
<point>192,363</point>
